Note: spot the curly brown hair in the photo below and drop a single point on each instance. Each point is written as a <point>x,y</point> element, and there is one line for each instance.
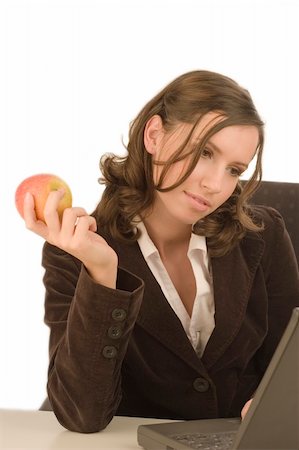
<point>130,188</point>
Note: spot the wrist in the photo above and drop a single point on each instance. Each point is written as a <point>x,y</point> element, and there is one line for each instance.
<point>105,276</point>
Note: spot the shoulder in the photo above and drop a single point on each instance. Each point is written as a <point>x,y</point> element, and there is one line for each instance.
<point>273,234</point>
<point>272,229</point>
<point>269,217</point>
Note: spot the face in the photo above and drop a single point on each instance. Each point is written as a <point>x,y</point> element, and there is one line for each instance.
<point>213,180</point>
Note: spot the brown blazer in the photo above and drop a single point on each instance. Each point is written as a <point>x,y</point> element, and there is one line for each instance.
<point>125,352</point>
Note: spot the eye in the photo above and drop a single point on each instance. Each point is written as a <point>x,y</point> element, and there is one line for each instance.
<point>235,171</point>
<point>206,153</point>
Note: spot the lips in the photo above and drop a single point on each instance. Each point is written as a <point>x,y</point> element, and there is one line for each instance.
<point>199,199</point>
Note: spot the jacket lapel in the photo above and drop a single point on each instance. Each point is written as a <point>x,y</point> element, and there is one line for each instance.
<point>233,276</point>
<point>232,279</point>
<point>156,315</point>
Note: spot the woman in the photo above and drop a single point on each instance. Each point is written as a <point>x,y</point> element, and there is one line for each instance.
<point>169,300</point>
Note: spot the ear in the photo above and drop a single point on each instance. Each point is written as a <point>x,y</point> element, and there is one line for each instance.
<point>153,134</point>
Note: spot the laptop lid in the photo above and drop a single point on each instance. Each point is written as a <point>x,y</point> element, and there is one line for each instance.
<point>272,420</point>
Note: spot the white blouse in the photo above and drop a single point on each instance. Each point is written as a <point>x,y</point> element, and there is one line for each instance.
<point>200,325</point>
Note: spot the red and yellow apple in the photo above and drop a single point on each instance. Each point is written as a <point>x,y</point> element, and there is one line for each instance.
<point>40,186</point>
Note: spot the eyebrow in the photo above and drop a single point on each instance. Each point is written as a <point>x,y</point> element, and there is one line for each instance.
<point>218,150</point>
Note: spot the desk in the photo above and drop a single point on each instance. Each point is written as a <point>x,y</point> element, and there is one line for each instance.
<point>28,430</point>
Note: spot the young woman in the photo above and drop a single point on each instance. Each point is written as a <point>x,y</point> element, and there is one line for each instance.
<point>170,299</point>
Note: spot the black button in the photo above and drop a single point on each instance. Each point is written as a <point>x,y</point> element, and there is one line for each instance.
<point>115,332</point>
<point>119,314</point>
<point>201,385</point>
<point>109,352</point>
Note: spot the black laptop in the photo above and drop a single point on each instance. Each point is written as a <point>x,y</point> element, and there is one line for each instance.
<point>272,421</point>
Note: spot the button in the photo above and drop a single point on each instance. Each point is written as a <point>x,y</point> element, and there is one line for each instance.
<point>201,385</point>
<point>119,314</point>
<point>115,332</point>
<point>109,352</point>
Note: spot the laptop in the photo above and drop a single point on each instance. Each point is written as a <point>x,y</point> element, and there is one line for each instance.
<point>272,421</point>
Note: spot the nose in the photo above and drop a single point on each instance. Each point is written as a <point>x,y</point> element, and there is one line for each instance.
<point>212,180</point>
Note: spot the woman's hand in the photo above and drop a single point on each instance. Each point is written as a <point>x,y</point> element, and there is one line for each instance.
<point>245,408</point>
<point>76,234</point>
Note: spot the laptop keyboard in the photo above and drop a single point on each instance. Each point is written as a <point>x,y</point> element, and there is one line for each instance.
<point>202,441</point>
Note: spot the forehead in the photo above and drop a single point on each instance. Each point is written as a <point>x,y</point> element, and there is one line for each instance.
<point>229,137</point>
<point>210,120</point>
<point>236,141</point>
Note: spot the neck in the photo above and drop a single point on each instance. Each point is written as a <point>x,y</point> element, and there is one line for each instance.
<point>166,235</point>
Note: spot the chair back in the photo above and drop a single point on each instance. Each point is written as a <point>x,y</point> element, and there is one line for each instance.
<point>284,197</point>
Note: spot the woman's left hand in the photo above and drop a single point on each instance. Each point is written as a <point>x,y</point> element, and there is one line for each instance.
<point>245,408</point>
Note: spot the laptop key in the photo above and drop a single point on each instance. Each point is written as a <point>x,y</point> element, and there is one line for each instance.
<point>203,441</point>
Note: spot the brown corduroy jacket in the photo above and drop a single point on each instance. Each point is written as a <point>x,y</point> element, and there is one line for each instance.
<point>125,352</point>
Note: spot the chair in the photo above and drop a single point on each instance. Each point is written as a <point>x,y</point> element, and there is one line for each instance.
<point>284,197</point>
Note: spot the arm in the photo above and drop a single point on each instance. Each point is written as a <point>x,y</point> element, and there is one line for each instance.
<point>84,290</point>
<point>84,380</point>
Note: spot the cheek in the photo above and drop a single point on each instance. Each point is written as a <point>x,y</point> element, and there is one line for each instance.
<point>229,188</point>
<point>173,174</point>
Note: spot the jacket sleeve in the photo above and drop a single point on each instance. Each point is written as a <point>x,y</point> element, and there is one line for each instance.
<point>90,326</point>
<point>282,282</point>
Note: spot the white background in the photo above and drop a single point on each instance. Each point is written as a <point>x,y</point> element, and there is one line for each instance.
<point>73,74</point>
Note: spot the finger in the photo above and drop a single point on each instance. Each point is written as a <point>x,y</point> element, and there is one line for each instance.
<point>50,211</point>
<point>84,224</point>
<point>31,222</point>
<point>28,209</point>
<point>69,221</point>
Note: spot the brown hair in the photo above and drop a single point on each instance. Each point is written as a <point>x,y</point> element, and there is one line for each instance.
<point>130,188</point>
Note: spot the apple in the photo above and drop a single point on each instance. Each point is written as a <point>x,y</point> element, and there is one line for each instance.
<point>40,186</point>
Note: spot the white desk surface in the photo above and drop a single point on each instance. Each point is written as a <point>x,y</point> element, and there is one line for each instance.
<point>28,430</point>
